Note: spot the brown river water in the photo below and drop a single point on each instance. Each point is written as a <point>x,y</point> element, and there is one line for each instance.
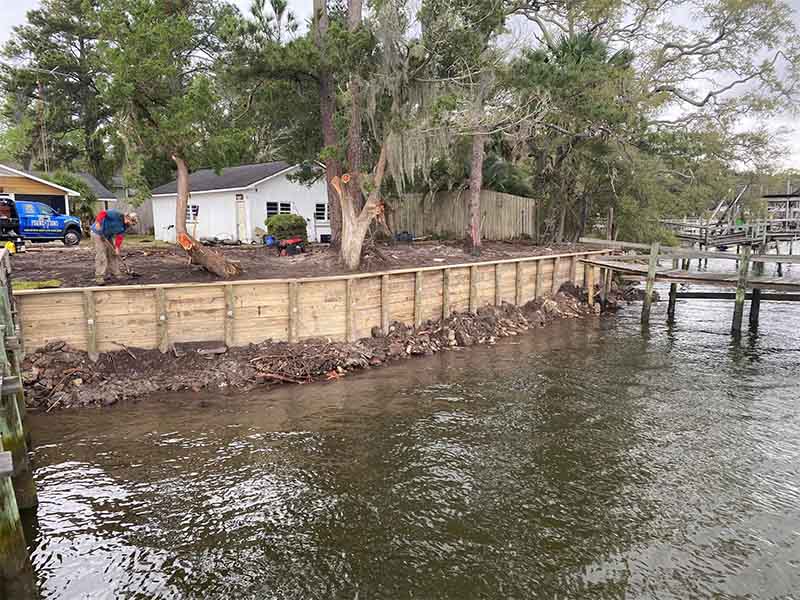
<point>586,460</point>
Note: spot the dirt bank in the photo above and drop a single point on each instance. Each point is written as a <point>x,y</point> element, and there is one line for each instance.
<point>74,267</point>
<point>59,377</point>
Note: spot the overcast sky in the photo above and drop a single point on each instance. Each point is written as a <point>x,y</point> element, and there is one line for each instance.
<point>13,13</point>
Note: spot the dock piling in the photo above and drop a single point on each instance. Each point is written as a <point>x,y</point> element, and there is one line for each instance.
<point>741,291</point>
<point>651,277</point>
<point>673,291</point>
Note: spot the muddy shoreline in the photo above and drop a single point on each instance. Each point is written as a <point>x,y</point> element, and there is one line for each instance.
<point>58,376</point>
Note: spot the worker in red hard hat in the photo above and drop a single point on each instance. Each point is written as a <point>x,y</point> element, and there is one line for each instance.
<point>108,231</point>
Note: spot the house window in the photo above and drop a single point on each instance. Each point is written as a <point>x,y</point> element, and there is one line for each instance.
<point>192,212</point>
<point>275,208</point>
<point>321,211</point>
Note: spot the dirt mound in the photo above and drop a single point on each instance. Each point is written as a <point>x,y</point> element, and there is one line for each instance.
<point>59,376</point>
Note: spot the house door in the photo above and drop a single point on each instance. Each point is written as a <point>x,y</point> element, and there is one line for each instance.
<point>241,219</point>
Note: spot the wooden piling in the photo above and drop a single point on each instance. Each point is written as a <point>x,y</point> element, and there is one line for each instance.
<point>604,274</point>
<point>755,299</point>
<point>418,299</point>
<point>445,293</point>
<point>385,303</point>
<point>230,316</point>
<point>498,297</point>
<point>162,330</point>
<point>590,275</point>
<point>673,290</point>
<point>349,334</point>
<point>12,353</point>
<point>473,289</point>
<point>294,293</point>
<point>12,431</point>
<point>539,291</point>
<point>573,270</point>
<point>16,573</point>
<point>651,278</point>
<point>13,438</point>
<point>90,314</point>
<point>556,266</point>
<point>741,290</point>
<point>518,285</point>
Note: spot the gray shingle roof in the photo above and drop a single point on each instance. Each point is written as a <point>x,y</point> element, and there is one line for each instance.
<point>101,191</point>
<point>206,180</point>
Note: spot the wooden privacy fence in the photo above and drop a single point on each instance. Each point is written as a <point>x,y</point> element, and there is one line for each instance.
<point>345,307</point>
<point>503,216</point>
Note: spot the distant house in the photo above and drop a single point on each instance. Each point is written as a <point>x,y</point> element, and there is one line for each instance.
<point>105,197</point>
<point>124,196</point>
<point>23,185</point>
<point>234,202</point>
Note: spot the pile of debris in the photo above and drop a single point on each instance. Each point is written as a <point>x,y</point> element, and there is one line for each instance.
<point>58,376</point>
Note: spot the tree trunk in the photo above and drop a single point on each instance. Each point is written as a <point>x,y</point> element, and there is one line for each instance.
<point>354,132</point>
<point>208,259</point>
<point>327,109</point>
<point>475,185</point>
<point>355,223</point>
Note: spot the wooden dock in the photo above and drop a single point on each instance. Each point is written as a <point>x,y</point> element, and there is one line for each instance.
<point>672,265</point>
<point>17,487</point>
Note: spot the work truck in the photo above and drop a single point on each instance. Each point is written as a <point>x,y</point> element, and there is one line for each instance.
<point>36,222</point>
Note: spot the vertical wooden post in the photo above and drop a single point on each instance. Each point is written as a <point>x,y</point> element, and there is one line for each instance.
<point>590,275</point>
<point>651,278</point>
<point>90,314</point>
<point>293,311</point>
<point>741,292</point>
<point>385,304</point>
<point>162,328</point>
<point>498,297</point>
<point>518,284</point>
<point>418,298</point>
<point>16,573</point>
<point>230,316</point>
<point>573,269</point>
<point>13,439</point>
<point>349,334</point>
<point>554,282</point>
<point>755,306</point>
<point>539,288</point>
<point>473,289</point>
<point>755,301</point>
<point>673,291</point>
<point>13,355</point>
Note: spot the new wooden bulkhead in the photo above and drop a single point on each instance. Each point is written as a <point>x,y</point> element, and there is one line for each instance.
<point>345,307</point>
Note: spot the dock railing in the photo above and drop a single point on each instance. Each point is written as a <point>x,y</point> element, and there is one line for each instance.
<point>679,271</point>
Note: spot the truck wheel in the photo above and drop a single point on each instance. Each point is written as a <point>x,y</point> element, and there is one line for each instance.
<point>72,238</point>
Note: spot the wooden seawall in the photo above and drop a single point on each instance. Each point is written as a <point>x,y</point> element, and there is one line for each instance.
<point>346,307</point>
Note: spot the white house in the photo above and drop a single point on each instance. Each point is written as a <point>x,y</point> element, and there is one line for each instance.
<point>234,202</point>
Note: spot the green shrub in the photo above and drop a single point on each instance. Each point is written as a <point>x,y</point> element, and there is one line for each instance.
<point>287,226</point>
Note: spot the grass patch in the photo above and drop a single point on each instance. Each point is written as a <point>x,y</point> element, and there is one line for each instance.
<point>24,284</point>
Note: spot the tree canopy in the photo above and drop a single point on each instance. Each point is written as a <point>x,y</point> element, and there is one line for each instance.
<point>651,107</point>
